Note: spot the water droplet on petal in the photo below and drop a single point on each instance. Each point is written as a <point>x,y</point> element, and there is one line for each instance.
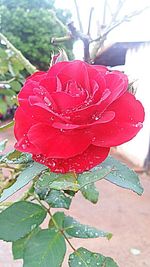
<point>47,101</point>
<point>24,146</point>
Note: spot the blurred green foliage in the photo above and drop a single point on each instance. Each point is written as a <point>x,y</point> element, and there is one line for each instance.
<point>12,74</point>
<point>29,26</point>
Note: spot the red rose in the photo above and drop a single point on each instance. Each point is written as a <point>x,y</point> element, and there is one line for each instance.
<point>69,117</point>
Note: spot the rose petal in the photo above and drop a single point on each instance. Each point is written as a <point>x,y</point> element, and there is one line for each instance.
<point>100,68</point>
<point>27,90</point>
<point>22,125</point>
<point>91,157</point>
<point>74,70</point>
<point>57,143</point>
<point>129,115</point>
<point>105,117</point>
<point>65,101</point>
<point>51,84</point>
<point>37,76</point>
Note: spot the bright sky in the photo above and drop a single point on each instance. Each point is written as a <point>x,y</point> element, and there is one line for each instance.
<point>136,30</point>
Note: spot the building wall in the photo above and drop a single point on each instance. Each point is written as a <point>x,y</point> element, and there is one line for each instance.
<point>137,67</point>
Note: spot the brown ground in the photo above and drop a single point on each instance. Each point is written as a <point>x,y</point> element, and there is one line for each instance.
<point>119,211</point>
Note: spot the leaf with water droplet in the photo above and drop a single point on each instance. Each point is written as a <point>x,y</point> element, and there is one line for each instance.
<point>23,179</point>
<point>56,181</point>
<point>17,220</point>
<point>90,192</point>
<point>58,199</point>
<point>16,157</point>
<point>78,230</point>
<point>73,228</point>
<point>87,179</point>
<point>122,176</point>
<point>85,258</point>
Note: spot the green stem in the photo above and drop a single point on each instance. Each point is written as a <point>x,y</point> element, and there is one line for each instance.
<point>29,67</point>
<point>9,81</point>
<point>54,222</point>
<point>6,126</point>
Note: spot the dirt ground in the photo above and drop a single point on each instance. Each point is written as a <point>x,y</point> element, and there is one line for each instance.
<point>119,211</point>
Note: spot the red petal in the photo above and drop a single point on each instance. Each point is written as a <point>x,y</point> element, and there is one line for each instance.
<point>22,125</point>
<point>57,143</point>
<point>27,90</point>
<point>51,84</point>
<point>129,115</point>
<point>37,76</point>
<point>90,158</point>
<point>117,85</point>
<point>100,68</point>
<point>74,70</point>
<point>105,117</point>
<point>65,101</point>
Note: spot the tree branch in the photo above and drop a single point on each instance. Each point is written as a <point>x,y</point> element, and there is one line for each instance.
<point>90,19</point>
<point>28,66</point>
<point>84,38</point>
<point>78,16</point>
<point>56,40</point>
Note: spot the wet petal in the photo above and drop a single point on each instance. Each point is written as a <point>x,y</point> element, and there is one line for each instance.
<point>56,142</point>
<point>65,101</point>
<point>129,115</point>
<point>91,157</point>
<point>95,119</point>
<point>37,76</point>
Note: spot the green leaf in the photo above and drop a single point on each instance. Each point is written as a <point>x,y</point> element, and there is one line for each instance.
<point>74,228</point>
<point>58,217</point>
<point>15,85</point>
<point>78,230</point>
<point>86,182</point>
<point>7,92</point>
<point>16,157</point>
<point>122,176</point>
<point>20,219</point>
<point>16,64</point>
<point>3,144</point>
<point>57,199</point>
<point>3,54</point>
<point>24,178</point>
<point>3,66</point>
<point>56,181</point>
<point>90,193</point>
<point>85,258</point>
<point>19,245</point>
<point>3,106</point>
<point>94,175</point>
<point>46,248</point>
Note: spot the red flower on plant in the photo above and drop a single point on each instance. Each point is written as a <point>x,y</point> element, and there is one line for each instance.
<point>69,117</point>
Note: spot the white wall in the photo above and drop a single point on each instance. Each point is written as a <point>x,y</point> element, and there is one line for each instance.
<point>138,67</point>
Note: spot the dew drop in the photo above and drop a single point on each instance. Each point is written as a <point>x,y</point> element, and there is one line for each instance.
<point>24,146</point>
<point>71,257</point>
<point>139,124</point>
<point>33,226</point>
<point>47,101</point>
